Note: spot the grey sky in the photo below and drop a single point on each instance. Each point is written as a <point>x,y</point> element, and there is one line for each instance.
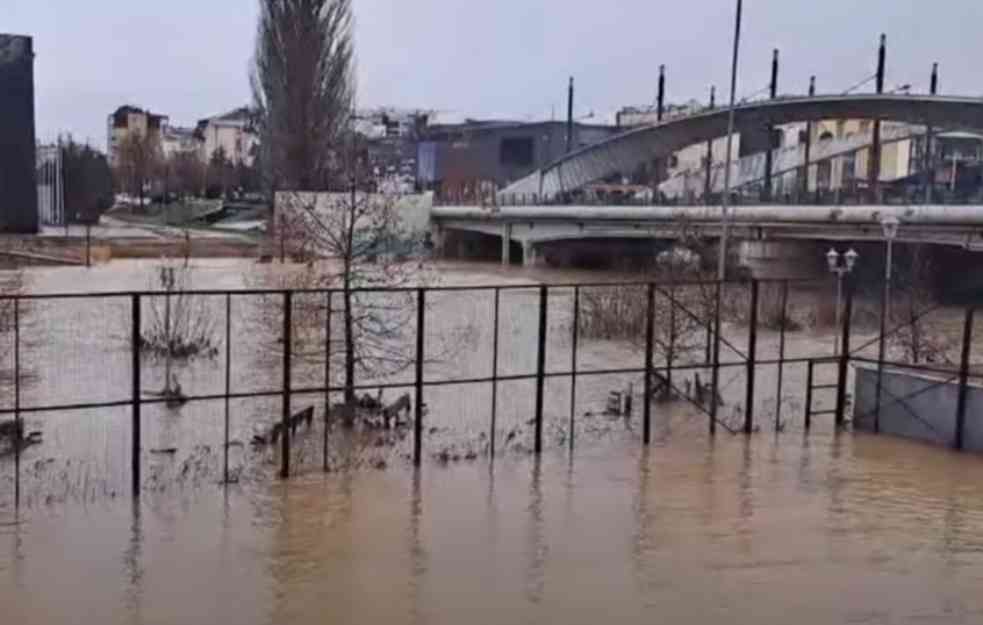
<point>189,58</point>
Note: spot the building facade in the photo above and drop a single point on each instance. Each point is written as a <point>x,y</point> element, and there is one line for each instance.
<point>232,133</point>
<point>176,140</point>
<point>18,193</point>
<point>494,153</point>
<point>128,120</point>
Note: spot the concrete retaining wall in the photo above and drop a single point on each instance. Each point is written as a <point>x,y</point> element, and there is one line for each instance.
<point>917,406</point>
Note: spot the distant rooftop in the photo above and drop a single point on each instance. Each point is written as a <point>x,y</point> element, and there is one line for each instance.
<point>13,47</point>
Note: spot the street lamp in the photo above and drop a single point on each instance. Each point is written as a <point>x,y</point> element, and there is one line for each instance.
<point>840,270</point>
<point>890,225</point>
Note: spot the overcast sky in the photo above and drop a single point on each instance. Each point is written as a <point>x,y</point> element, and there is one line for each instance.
<point>189,58</point>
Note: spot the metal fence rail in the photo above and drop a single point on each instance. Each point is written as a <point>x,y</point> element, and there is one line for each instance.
<point>294,382</point>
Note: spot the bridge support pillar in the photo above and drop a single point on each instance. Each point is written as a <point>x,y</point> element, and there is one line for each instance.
<point>506,244</point>
<point>773,260</point>
<point>530,255</point>
<point>439,239</point>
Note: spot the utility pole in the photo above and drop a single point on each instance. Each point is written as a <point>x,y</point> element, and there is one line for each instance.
<point>773,90</point>
<point>570,116</point>
<point>708,183</point>
<point>808,147</point>
<point>724,212</point>
<point>927,166</point>
<point>661,100</point>
<point>659,112</point>
<point>874,167</point>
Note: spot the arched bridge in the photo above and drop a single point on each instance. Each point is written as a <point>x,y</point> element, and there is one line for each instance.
<point>627,151</point>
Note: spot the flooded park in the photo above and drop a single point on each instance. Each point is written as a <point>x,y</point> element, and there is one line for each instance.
<point>832,526</point>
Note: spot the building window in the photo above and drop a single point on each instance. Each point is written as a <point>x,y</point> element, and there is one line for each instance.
<point>517,152</point>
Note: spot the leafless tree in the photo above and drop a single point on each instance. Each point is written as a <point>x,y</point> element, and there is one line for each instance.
<point>180,326</point>
<point>918,338</point>
<point>139,158</point>
<point>302,88</point>
<point>363,245</point>
<point>188,174</point>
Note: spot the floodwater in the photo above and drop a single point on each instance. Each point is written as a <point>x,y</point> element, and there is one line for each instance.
<point>776,528</point>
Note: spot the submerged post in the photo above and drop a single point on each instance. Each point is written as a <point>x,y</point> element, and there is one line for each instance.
<point>781,357</point>
<point>647,385</point>
<point>751,357</point>
<point>420,335</point>
<point>881,340</point>
<point>494,398</point>
<point>809,372</point>
<point>18,424</point>
<point>964,379</point>
<point>327,383</point>
<point>573,360</point>
<point>715,375</point>
<point>541,365</point>
<point>228,386</point>
<point>285,417</point>
<point>135,395</point>
<point>844,355</point>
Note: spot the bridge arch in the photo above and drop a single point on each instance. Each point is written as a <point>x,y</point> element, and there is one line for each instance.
<point>627,151</point>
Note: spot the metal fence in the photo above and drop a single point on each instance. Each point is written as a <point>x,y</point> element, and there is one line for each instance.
<point>87,351</point>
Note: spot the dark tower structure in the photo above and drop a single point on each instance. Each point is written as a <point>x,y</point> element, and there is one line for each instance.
<point>18,192</point>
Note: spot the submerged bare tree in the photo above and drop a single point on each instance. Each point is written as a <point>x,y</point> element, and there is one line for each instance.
<point>364,246</point>
<point>917,337</point>
<point>180,326</point>
<point>349,240</point>
<point>302,88</point>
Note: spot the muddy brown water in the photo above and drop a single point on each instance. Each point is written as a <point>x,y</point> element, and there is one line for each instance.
<point>818,528</point>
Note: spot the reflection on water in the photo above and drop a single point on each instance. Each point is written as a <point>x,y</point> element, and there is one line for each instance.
<point>825,529</point>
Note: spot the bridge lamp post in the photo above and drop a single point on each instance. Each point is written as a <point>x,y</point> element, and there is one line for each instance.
<point>840,270</point>
<point>890,225</point>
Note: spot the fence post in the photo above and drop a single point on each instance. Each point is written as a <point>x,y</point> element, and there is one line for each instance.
<point>18,424</point>
<point>573,360</point>
<point>228,385</point>
<point>751,358</point>
<point>844,356</point>
<point>715,375</point>
<point>327,381</point>
<point>671,349</point>
<point>541,366</point>
<point>494,397</point>
<point>285,418</point>
<point>647,384</point>
<point>809,372</point>
<point>880,360</point>
<point>964,379</point>
<point>135,394</point>
<point>420,335</point>
<point>781,357</point>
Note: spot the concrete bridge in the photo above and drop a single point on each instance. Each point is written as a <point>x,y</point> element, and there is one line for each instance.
<point>774,240</point>
<point>630,150</point>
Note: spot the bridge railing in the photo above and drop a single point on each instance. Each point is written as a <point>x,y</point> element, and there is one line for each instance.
<point>856,194</point>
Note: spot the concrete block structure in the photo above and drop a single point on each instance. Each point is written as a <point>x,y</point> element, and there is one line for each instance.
<point>18,193</point>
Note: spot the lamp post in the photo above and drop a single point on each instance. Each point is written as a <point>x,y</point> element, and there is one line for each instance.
<point>890,225</point>
<point>839,270</point>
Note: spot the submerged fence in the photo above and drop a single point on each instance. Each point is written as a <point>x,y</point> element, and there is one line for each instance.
<point>71,353</point>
